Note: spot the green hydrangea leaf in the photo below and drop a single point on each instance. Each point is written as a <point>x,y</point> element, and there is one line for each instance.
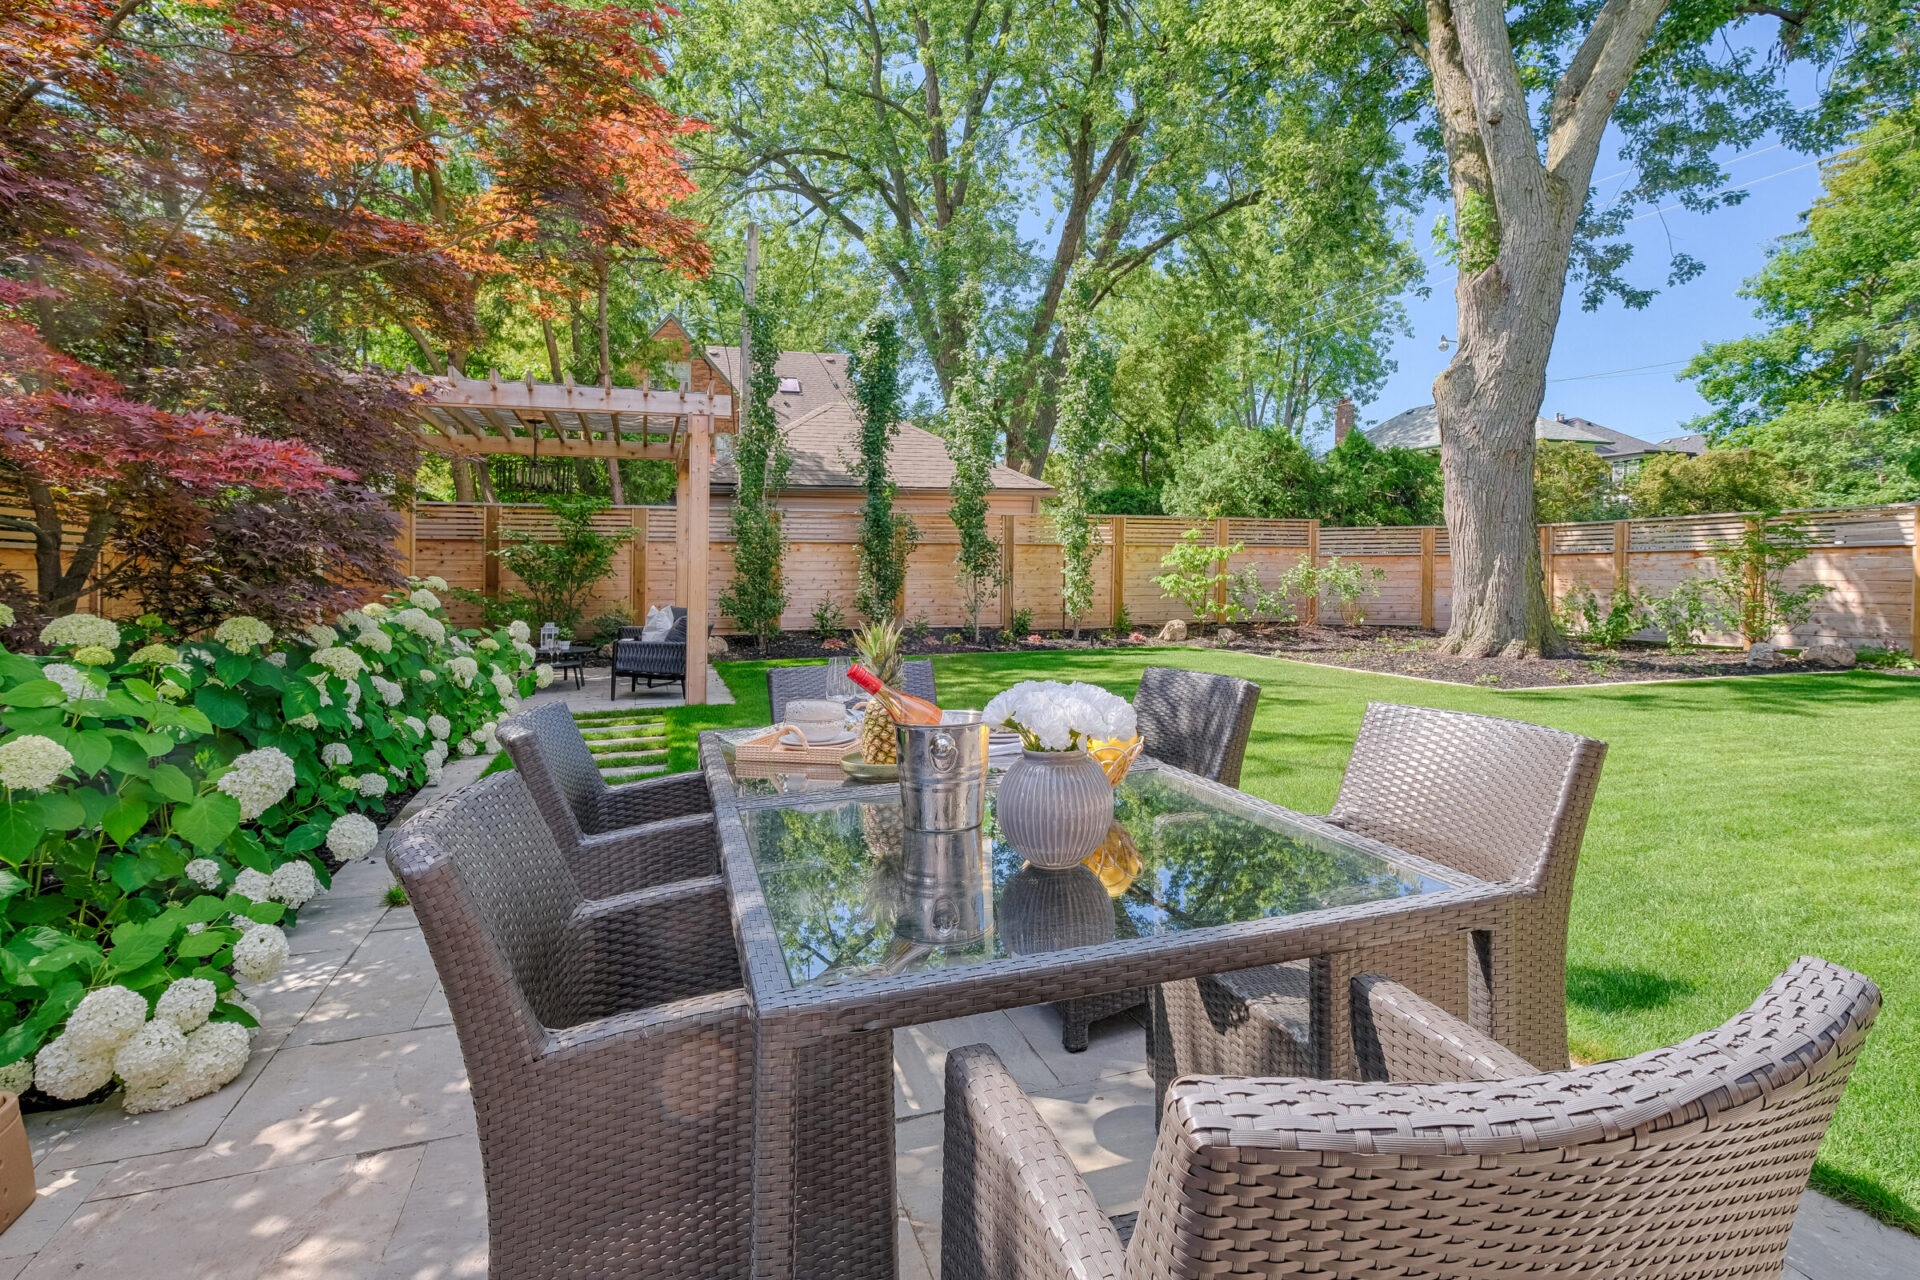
<point>207,821</point>
<point>172,783</point>
<point>34,693</point>
<point>59,811</point>
<point>20,830</point>
<point>223,707</point>
<point>204,943</point>
<point>126,819</point>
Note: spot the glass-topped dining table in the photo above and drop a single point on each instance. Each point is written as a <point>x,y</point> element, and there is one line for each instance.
<point>849,926</point>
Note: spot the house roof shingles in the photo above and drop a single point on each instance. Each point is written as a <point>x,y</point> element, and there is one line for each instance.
<point>1420,429</point>
<point>823,443</point>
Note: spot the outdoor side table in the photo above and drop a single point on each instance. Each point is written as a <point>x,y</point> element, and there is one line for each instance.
<point>566,661</point>
<point>849,926</point>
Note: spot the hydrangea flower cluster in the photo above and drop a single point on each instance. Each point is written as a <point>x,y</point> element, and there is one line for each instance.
<point>422,624</point>
<point>462,671</point>
<point>259,780</point>
<point>155,655</point>
<point>259,953</point>
<point>335,754</point>
<point>293,883</point>
<point>375,640</point>
<point>352,836</point>
<point>242,633</point>
<point>73,682</point>
<point>322,635</point>
<point>424,599</point>
<point>543,675</point>
<point>1052,716</point>
<point>204,872</point>
<point>391,693</point>
<point>32,763</point>
<point>341,661</point>
<point>520,631</point>
<point>81,631</point>
<point>93,655</point>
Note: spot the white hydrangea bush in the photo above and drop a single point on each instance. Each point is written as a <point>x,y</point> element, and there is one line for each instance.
<point>272,758</point>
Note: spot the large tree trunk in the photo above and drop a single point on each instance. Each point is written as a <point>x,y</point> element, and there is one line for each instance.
<point>1487,400</point>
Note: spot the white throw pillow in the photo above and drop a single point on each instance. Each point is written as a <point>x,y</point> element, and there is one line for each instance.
<point>659,622</point>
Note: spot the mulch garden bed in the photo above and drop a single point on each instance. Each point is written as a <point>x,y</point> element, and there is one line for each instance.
<point>1406,652</point>
<point>1390,650</point>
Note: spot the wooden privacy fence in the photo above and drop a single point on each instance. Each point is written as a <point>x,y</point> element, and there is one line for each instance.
<point>1869,558</point>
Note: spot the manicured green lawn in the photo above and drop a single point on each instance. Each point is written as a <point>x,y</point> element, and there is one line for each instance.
<point>1739,824</point>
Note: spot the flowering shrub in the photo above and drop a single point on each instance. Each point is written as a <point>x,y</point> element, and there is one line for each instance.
<point>167,804</point>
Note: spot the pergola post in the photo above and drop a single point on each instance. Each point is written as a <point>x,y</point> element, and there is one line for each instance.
<point>693,498</point>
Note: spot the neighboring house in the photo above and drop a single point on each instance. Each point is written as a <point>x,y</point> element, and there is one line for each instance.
<point>1420,429</point>
<point>817,415</point>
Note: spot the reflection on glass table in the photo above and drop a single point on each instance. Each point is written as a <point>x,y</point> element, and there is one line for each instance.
<point>852,894</point>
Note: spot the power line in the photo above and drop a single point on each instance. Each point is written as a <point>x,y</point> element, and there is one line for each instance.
<point>1619,373</point>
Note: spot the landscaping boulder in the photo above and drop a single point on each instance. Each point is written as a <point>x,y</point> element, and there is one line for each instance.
<point>1829,653</point>
<point>1174,631</point>
<point>1225,636</point>
<point>716,645</point>
<point>1763,655</point>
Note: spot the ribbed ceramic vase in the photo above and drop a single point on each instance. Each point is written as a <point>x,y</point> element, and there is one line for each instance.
<point>1054,807</point>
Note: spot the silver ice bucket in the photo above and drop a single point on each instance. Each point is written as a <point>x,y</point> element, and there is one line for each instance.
<point>943,772</point>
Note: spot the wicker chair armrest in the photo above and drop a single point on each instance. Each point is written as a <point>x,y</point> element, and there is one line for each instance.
<point>644,1031</point>
<point>655,854</point>
<point>651,800</point>
<point>1403,1038</point>
<point>1015,1207</point>
<point>651,946</point>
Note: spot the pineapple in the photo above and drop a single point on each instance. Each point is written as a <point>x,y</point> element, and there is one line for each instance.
<point>878,646</point>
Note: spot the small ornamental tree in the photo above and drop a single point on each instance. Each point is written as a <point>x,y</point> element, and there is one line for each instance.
<point>1086,383</point>
<point>561,572</point>
<point>970,440</point>
<point>756,596</point>
<point>886,539</point>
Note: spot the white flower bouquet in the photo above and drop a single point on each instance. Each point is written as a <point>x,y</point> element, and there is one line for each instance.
<point>1052,716</point>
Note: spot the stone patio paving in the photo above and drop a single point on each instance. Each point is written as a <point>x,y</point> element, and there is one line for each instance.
<point>347,1147</point>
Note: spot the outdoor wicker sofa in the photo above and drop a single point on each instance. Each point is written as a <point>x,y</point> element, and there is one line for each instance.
<point>609,1044</point>
<point>1194,721</point>
<point>1497,799</point>
<point>657,662</point>
<point>616,838</point>
<point>1684,1162</point>
<point>829,680</point>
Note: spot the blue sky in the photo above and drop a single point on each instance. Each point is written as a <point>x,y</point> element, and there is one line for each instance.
<point>1599,369</point>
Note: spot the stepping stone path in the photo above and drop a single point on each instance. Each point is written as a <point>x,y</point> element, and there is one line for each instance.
<point>625,744</point>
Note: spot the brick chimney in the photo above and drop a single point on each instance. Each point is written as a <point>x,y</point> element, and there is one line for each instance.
<point>1342,419</point>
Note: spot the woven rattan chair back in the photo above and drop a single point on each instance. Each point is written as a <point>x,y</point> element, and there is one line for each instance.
<point>1497,799</point>
<point>611,1067</point>
<point>486,857</point>
<point>826,680</point>
<point>1197,721</point>
<point>1685,1162</point>
<point>546,746</point>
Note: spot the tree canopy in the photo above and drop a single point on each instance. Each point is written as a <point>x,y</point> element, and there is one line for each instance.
<point>1832,388</point>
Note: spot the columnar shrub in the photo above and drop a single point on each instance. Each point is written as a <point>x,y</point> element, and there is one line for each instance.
<point>167,805</point>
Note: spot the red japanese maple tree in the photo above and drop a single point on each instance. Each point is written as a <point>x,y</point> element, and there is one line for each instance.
<point>213,213</point>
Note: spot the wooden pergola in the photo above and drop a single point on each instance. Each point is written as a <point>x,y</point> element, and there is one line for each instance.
<point>477,417</point>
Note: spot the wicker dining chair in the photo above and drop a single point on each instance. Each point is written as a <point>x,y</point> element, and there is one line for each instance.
<point>1193,721</point>
<point>1497,799</point>
<point>608,1043</point>
<point>1686,1162</point>
<point>828,680</point>
<point>641,833</point>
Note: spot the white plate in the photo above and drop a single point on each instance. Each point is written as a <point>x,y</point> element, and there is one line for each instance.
<point>824,739</point>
